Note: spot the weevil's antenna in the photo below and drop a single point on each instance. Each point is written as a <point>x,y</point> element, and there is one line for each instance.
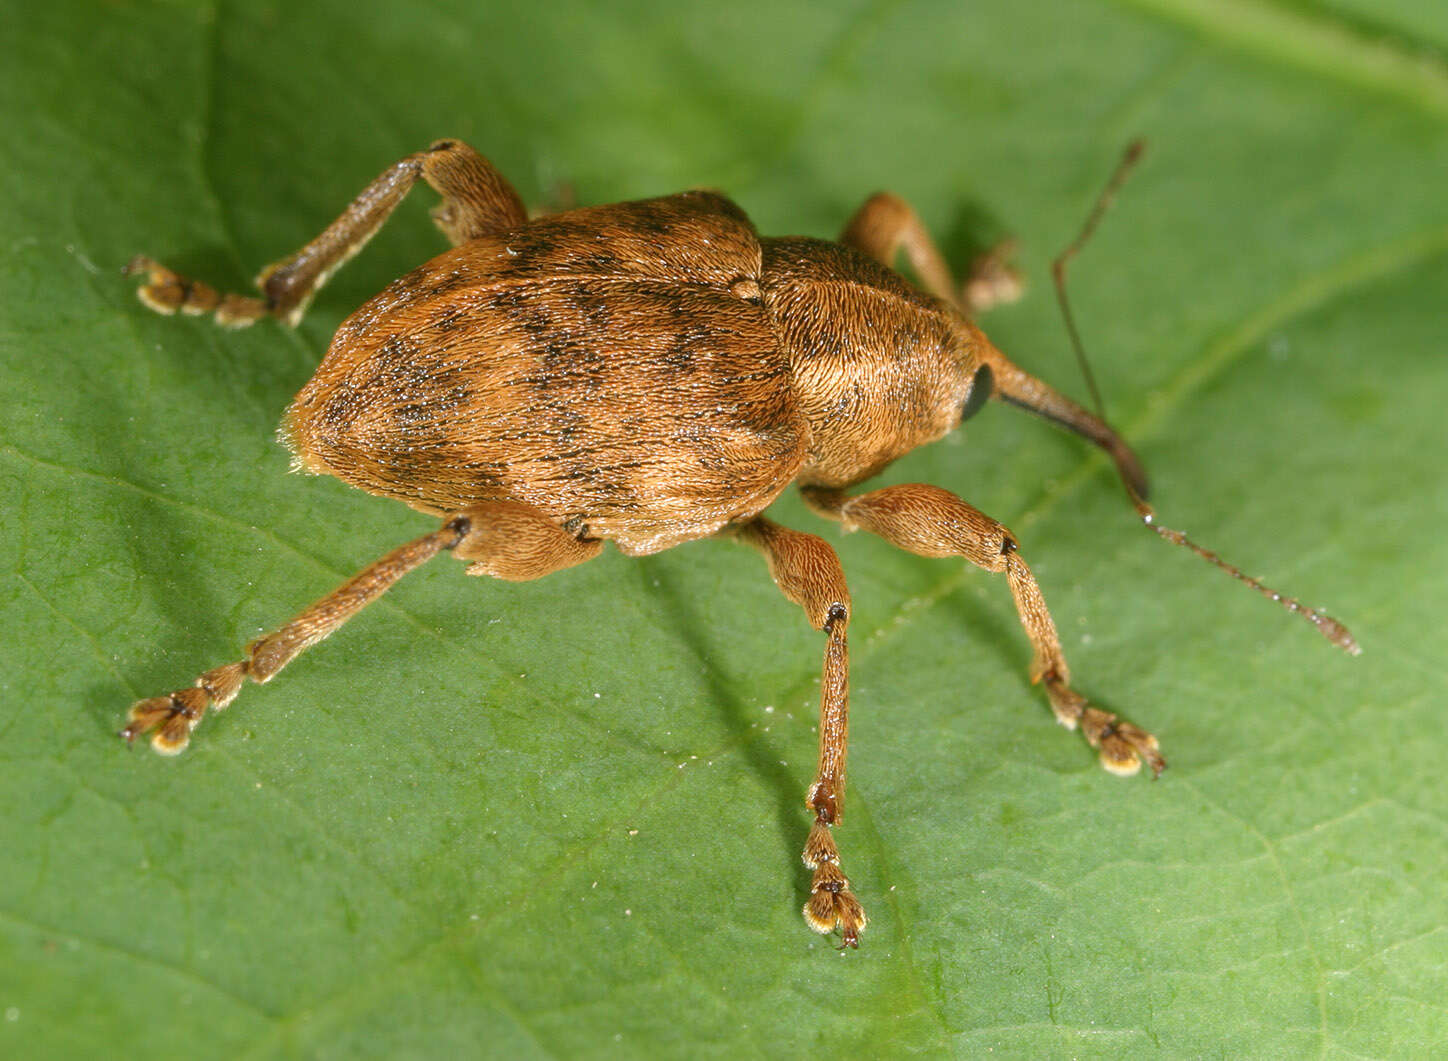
<point>1129,158</point>
<point>1017,387</point>
<point>1326,625</point>
<point>1040,399</point>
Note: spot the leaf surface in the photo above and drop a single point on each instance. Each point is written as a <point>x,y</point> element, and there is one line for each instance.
<point>563,818</point>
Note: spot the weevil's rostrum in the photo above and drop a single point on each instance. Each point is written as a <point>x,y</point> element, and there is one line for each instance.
<point>649,373</point>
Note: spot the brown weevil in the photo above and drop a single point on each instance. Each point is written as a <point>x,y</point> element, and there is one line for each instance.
<point>648,373</point>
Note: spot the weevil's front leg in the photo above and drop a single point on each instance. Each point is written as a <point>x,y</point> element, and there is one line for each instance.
<point>808,572</point>
<point>476,200</point>
<point>886,223</point>
<point>929,521</point>
<point>503,539</point>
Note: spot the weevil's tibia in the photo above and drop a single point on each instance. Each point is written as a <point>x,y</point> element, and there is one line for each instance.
<point>176,714</point>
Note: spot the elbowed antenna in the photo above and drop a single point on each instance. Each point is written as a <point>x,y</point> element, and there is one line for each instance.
<point>1023,390</point>
<point>1019,388</point>
<point>1326,625</point>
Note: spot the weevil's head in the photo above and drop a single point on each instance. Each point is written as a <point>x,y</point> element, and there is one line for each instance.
<point>998,377</point>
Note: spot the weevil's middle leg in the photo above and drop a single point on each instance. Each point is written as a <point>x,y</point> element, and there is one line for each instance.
<point>929,521</point>
<point>476,200</point>
<point>808,572</point>
<point>885,224</point>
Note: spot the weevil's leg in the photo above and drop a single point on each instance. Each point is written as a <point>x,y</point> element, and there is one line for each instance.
<point>808,572</point>
<point>502,539</point>
<point>176,714</point>
<point>886,223</point>
<point>476,200</point>
<point>929,521</point>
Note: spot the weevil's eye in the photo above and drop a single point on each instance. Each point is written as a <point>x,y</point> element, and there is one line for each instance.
<point>980,392</point>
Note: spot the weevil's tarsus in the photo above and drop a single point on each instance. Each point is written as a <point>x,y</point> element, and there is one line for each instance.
<point>1128,162</point>
<point>167,292</point>
<point>991,279</point>
<point>1122,746</point>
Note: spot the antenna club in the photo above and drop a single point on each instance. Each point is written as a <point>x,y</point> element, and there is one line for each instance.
<point>1335,632</point>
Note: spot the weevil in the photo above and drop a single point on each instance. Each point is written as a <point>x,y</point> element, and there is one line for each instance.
<point>648,373</point>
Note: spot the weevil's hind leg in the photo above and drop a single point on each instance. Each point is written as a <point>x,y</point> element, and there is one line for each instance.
<point>929,521</point>
<point>502,539</point>
<point>176,714</point>
<point>808,572</point>
<point>476,200</point>
<point>886,223</point>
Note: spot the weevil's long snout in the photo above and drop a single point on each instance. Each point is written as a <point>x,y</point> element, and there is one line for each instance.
<point>1019,388</point>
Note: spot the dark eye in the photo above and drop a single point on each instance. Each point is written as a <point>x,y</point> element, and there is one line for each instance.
<point>980,391</point>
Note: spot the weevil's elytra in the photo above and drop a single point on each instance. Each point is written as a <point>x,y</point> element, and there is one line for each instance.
<point>646,374</point>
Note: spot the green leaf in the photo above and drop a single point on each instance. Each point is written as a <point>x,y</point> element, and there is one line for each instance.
<point>563,818</point>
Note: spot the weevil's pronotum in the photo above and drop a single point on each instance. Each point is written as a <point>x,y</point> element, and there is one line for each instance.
<point>649,373</point>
